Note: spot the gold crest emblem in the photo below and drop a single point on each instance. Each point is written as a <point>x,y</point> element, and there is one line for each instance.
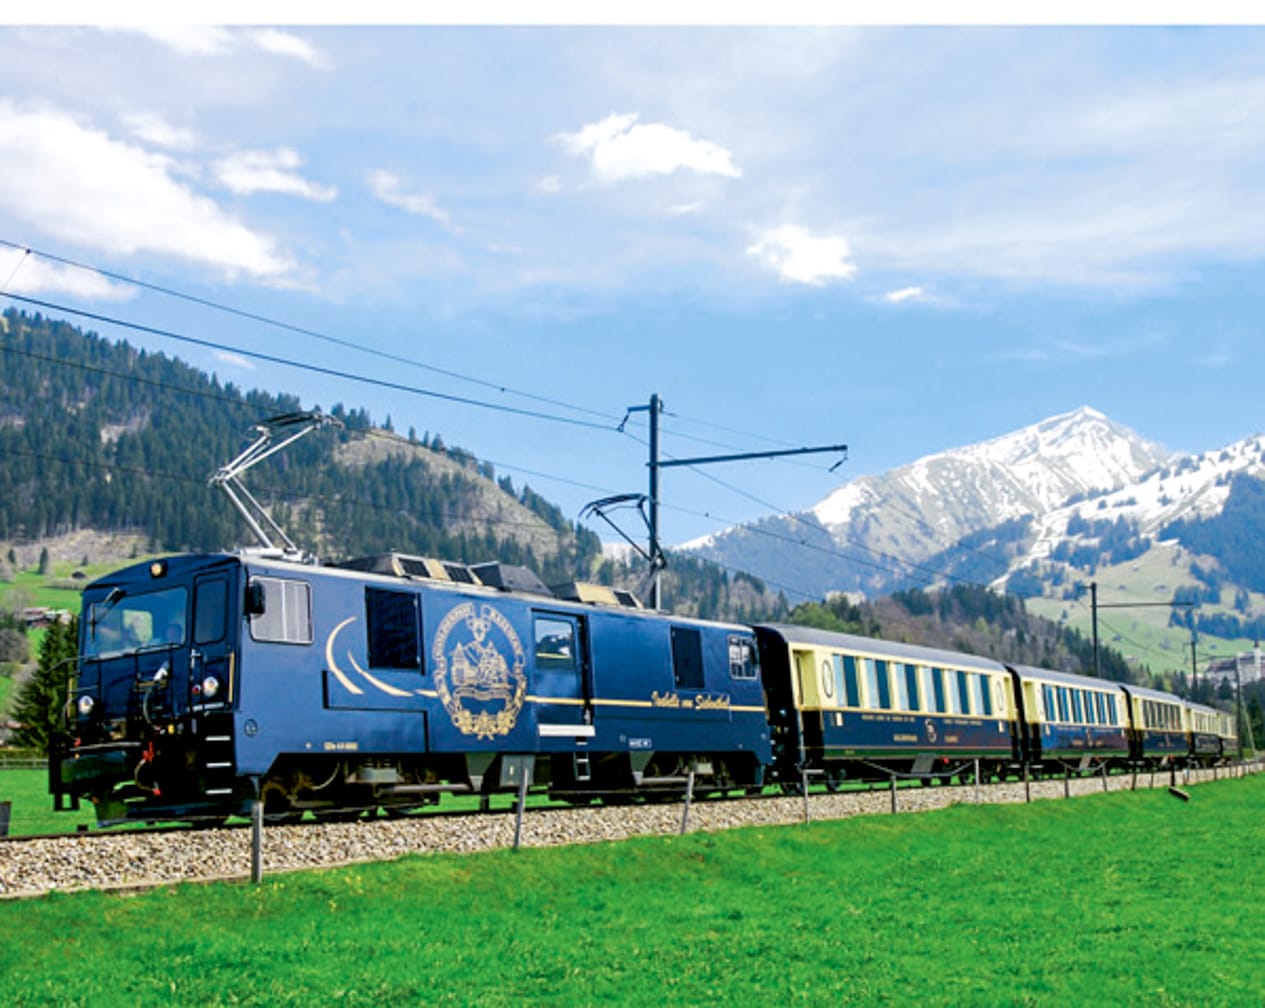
<point>478,663</point>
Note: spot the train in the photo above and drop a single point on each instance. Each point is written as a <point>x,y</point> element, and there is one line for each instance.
<point>206,682</point>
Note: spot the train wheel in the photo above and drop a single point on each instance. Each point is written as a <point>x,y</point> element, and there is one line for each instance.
<point>277,808</point>
<point>834,780</point>
<point>792,788</point>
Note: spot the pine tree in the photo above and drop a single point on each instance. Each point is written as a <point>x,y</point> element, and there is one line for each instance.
<point>41,699</point>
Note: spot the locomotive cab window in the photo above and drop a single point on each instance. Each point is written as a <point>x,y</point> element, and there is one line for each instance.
<point>393,629</point>
<point>687,658</point>
<point>287,611</point>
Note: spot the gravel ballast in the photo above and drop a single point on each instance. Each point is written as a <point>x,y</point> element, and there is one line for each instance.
<point>137,860</point>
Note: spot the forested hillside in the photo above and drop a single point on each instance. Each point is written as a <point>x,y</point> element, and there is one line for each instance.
<point>99,435</point>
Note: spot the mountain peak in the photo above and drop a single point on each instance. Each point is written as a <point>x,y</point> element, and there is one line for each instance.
<point>921,509</point>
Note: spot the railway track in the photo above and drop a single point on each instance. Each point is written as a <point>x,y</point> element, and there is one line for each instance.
<point>143,858</point>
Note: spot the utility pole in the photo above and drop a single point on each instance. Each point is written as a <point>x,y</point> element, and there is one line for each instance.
<point>1095,606</point>
<point>1194,669</point>
<point>655,555</point>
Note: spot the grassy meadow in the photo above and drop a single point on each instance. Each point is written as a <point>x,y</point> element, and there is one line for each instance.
<point>1114,899</point>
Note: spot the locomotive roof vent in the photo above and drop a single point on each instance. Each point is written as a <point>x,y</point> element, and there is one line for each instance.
<point>510,577</point>
<point>586,591</point>
<point>406,566</point>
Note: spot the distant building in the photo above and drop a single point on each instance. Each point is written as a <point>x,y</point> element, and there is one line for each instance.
<point>1248,666</point>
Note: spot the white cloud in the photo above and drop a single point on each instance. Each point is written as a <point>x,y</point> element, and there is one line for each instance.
<point>620,149</point>
<point>285,44</point>
<point>26,273</point>
<point>157,131</point>
<point>549,185</point>
<point>270,171</point>
<point>205,40</point>
<point>192,40</point>
<point>82,186</point>
<point>684,209</point>
<point>800,257</point>
<point>906,294</point>
<point>234,360</point>
<point>386,186</point>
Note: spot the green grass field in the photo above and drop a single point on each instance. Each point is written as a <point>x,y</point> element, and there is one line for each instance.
<point>32,807</point>
<point>1120,899</point>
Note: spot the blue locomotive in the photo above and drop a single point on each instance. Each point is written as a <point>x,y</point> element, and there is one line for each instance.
<point>206,681</point>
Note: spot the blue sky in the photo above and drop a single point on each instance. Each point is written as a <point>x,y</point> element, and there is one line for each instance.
<point>903,239</point>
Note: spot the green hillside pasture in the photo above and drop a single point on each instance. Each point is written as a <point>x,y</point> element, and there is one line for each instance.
<point>1142,634</point>
<point>1119,899</point>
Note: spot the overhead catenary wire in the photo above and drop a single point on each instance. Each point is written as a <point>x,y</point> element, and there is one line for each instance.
<point>300,365</point>
<point>889,561</point>
<point>290,327</point>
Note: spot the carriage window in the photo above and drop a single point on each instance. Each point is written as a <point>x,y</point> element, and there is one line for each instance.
<point>902,686</point>
<point>287,615</point>
<point>907,685</point>
<point>393,629</point>
<point>937,682</point>
<point>743,663</point>
<point>687,658</point>
<point>963,694</point>
<point>983,699</point>
<point>210,609</point>
<point>1078,713</point>
<point>878,689</point>
<point>851,682</point>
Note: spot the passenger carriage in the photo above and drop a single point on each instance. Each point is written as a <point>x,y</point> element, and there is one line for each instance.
<point>1228,735</point>
<point>1159,727</point>
<point>1205,734</point>
<point>844,706</point>
<point>385,682</point>
<point>1071,721</point>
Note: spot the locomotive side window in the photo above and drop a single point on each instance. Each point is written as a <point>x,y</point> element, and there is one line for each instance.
<point>393,629</point>
<point>742,659</point>
<point>210,611</point>
<point>555,644</point>
<point>687,658</point>
<point>287,615</point>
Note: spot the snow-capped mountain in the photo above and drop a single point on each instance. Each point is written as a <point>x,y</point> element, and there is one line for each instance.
<point>874,533</point>
<point>1189,488</point>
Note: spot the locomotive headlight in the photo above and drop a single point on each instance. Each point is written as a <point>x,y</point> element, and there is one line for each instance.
<point>85,705</point>
<point>210,687</point>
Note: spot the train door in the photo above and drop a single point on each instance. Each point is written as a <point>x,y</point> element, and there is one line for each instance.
<point>211,665</point>
<point>561,691</point>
